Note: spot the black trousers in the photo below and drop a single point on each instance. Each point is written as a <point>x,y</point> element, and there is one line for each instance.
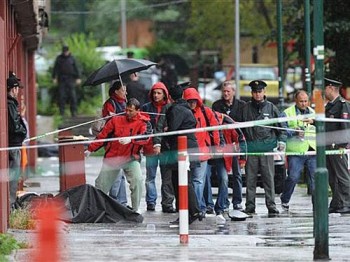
<point>193,207</point>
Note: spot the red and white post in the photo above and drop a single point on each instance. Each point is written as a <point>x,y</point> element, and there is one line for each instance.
<point>183,189</point>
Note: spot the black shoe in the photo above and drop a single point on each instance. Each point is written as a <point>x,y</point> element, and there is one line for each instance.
<point>238,207</point>
<point>193,218</point>
<point>333,210</point>
<point>151,207</point>
<point>273,211</point>
<point>168,210</point>
<point>201,215</point>
<point>344,210</point>
<point>210,211</point>
<point>174,223</point>
<point>249,211</point>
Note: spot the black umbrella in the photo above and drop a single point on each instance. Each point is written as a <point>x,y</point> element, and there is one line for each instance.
<point>116,69</point>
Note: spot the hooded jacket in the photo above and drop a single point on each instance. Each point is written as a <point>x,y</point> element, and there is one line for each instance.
<point>155,109</point>
<point>117,154</point>
<point>204,140</point>
<point>114,104</point>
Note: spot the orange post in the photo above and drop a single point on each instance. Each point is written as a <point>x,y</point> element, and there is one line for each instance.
<point>48,233</point>
<point>183,189</point>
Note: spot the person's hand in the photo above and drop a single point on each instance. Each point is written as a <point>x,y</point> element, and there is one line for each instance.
<point>300,133</point>
<point>156,150</point>
<point>78,81</point>
<point>87,153</point>
<point>308,121</point>
<point>125,141</point>
<point>54,81</point>
<point>281,146</point>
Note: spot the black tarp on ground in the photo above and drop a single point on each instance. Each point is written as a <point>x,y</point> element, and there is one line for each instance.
<point>87,204</point>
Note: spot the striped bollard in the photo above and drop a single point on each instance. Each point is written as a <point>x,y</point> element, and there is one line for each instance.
<point>183,189</point>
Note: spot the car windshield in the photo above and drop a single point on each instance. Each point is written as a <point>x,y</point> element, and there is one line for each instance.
<point>251,73</point>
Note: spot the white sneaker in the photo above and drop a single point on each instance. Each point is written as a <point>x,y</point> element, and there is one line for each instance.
<point>220,219</point>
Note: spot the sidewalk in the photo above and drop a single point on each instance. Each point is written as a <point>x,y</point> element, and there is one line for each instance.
<point>288,237</point>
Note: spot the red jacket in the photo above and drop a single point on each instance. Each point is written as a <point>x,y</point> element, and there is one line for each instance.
<point>203,138</point>
<point>155,108</point>
<point>117,154</point>
<point>231,141</point>
<point>110,108</point>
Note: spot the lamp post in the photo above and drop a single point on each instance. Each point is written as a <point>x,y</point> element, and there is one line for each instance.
<point>321,176</point>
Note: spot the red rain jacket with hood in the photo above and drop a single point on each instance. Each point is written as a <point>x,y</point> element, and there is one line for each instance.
<point>117,154</point>
<point>203,138</point>
<point>155,108</point>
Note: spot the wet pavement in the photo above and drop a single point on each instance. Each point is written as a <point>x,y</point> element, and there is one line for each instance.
<point>288,237</point>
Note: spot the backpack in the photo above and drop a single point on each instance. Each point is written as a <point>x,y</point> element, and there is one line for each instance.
<point>100,121</point>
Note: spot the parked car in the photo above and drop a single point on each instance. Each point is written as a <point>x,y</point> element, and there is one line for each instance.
<point>265,72</point>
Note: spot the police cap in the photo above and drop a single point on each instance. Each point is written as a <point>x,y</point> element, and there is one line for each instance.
<point>257,85</point>
<point>331,82</point>
<point>13,81</point>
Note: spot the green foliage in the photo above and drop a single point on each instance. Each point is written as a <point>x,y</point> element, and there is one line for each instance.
<point>7,244</point>
<point>212,23</point>
<point>22,218</point>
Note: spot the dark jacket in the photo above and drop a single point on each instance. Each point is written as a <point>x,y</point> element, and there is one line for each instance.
<point>135,89</point>
<point>336,137</point>
<point>65,67</point>
<point>180,117</point>
<point>259,138</point>
<point>17,130</point>
<point>232,111</point>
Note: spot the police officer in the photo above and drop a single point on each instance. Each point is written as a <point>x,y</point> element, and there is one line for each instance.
<point>17,132</point>
<point>66,74</point>
<point>260,140</point>
<point>337,138</point>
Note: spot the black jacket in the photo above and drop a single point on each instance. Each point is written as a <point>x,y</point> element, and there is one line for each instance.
<point>17,130</point>
<point>336,136</point>
<point>65,66</point>
<point>259,138</point>
<point>233,110</point>
<point>180,117</point>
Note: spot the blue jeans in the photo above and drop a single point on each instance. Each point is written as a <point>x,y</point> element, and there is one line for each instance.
<point>207,194</point>
<point>198,180</point>
<point>295,167</point>
<point>220,203</point>
<point>118,190</point>
<point>237,182</point>
<point>151,172</point>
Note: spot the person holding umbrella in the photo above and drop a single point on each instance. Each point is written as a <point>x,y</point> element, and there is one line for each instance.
<point>116,104</point>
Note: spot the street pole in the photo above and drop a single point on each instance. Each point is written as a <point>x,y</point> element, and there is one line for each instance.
<point>321,177</point>
<point>123,23</point>
<point>280,54</point>
<point>237,56</point>
<point>307,47</point>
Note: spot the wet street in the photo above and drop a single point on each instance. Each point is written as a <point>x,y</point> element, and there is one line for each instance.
<point>288,237</point>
